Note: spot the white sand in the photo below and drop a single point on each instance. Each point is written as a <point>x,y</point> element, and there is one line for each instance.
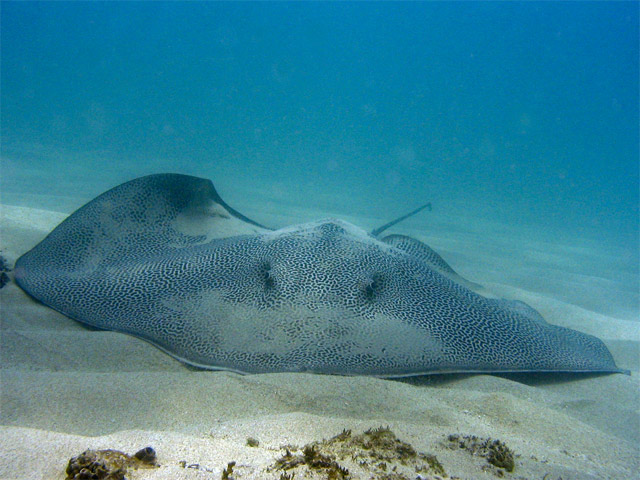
<point>66,388</point>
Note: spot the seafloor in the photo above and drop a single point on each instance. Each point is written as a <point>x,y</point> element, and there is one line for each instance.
<point>67,388</point>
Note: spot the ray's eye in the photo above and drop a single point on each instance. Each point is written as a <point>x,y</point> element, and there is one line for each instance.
<point>373,286</point>
<point>267,275</point>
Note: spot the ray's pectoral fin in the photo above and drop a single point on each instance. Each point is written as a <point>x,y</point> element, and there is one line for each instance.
<point>144,217</point>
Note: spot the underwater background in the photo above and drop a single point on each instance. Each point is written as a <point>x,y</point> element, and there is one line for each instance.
<point>518,121</point>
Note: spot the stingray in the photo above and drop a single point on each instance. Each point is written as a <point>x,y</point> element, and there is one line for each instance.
<point>165,259</point>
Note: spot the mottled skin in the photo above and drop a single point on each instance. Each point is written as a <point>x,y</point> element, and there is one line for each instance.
<point>165,259</point>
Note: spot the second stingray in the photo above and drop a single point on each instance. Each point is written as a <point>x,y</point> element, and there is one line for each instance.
<point>164,258</point>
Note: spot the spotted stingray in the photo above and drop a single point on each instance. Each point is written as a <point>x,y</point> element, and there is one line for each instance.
<point>165,259</point>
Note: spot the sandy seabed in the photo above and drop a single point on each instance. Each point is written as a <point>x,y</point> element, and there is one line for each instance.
<point>67,388</point>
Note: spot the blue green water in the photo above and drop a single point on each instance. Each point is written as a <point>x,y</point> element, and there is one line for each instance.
<point>524,114</point>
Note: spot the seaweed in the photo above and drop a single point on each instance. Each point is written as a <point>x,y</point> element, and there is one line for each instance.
<point>377,451</point>
<point>382,444</point>
<point>315,461</point>
<point>495,451</point>
<point>226,473</point>
<point>108,464</point>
